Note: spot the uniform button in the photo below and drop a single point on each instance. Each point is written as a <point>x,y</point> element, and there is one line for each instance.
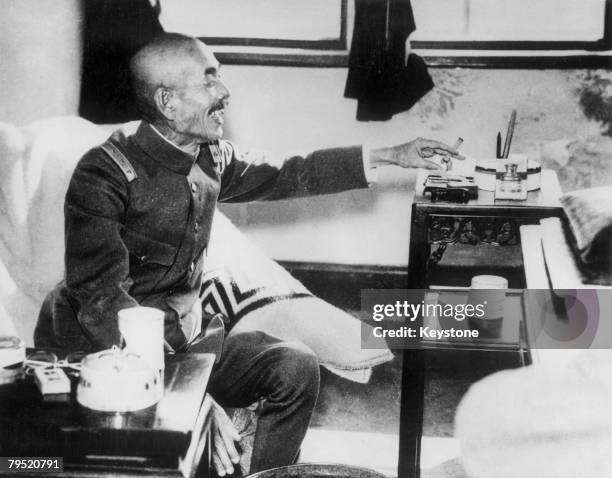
<point>194,187</point>
<point>144,258</point>
<point>192,267</point>
<point>171,292</point>
<point>196,226</point>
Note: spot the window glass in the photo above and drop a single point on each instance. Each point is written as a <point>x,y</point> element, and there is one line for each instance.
<point>310,20</point>
<point>508,20</point>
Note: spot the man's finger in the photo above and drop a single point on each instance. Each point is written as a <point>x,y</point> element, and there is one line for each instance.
<point>440,150</point>
<point>230,446</point>
<point>455,155</point>
<point>429,152</point>
<point>432,165</point>
<point>222,452</point>
<point>218,464</point>
<point>227,426</point>
<point>437,146</point>
<point>433,144</point>
<point>228,434</point>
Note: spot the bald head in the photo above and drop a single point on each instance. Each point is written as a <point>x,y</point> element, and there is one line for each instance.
<point>178,87</point>
<point>166,62</point>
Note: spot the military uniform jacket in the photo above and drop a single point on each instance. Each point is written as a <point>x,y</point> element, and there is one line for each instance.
<point>136,233</point>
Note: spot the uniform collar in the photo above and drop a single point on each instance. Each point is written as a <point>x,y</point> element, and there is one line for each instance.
<point>163,151</point>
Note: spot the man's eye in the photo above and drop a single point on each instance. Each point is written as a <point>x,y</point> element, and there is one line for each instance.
<point>211,81</point>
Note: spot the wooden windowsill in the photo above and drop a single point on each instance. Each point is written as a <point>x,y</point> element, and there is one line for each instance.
<point>494,59</point>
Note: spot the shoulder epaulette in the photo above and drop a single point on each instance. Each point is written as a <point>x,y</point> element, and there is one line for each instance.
<point>120,160</point>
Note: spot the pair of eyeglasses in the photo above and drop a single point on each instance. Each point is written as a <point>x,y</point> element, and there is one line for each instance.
<point>44,360</point>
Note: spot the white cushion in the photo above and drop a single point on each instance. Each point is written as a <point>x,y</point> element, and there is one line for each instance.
<point>258,294</point>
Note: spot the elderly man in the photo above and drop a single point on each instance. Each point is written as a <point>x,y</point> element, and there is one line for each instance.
<point>138,216</point>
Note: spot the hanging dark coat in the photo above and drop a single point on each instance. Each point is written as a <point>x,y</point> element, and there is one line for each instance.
<point>113,31</point>
<point>379,76</point>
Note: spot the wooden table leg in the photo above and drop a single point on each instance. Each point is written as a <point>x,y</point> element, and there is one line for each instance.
<point>411,414</point>
<point>197,460</point>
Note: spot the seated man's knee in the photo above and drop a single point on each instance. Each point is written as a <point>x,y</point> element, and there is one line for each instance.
<point>295,367</point>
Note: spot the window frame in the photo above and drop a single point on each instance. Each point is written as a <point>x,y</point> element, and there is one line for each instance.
<point>443,54</point>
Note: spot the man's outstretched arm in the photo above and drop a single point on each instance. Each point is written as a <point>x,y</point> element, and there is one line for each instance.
<point>255,176</point>
<point>248,177</point>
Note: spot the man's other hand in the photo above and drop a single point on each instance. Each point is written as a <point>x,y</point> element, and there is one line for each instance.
<point>419,153</point>
<point>224,437</point>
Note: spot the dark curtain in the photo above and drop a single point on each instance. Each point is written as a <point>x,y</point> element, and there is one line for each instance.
<point>113,31</point>
<point>379,77</point>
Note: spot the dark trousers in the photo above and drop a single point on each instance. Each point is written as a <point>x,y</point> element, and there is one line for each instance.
<point>285,374</point>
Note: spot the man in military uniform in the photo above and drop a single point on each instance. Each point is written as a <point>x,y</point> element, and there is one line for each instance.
<point>138,215</point>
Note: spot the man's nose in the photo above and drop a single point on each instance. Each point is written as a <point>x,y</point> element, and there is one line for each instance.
<point>224,92</point>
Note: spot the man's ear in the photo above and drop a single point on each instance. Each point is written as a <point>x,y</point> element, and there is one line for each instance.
<point>164,100</point>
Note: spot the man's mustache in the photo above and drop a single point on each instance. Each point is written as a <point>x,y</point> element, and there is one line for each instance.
<point>218,105</point>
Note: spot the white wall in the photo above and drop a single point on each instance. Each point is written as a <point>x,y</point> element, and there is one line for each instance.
<point>301,109</point>
<point>40,59</point>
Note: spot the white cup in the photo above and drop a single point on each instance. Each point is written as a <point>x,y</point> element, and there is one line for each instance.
<point>142,329</point>
<point>489,293</point>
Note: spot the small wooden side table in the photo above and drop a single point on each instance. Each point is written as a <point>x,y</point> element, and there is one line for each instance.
<point>449,244</point>
<point>168,439</point>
